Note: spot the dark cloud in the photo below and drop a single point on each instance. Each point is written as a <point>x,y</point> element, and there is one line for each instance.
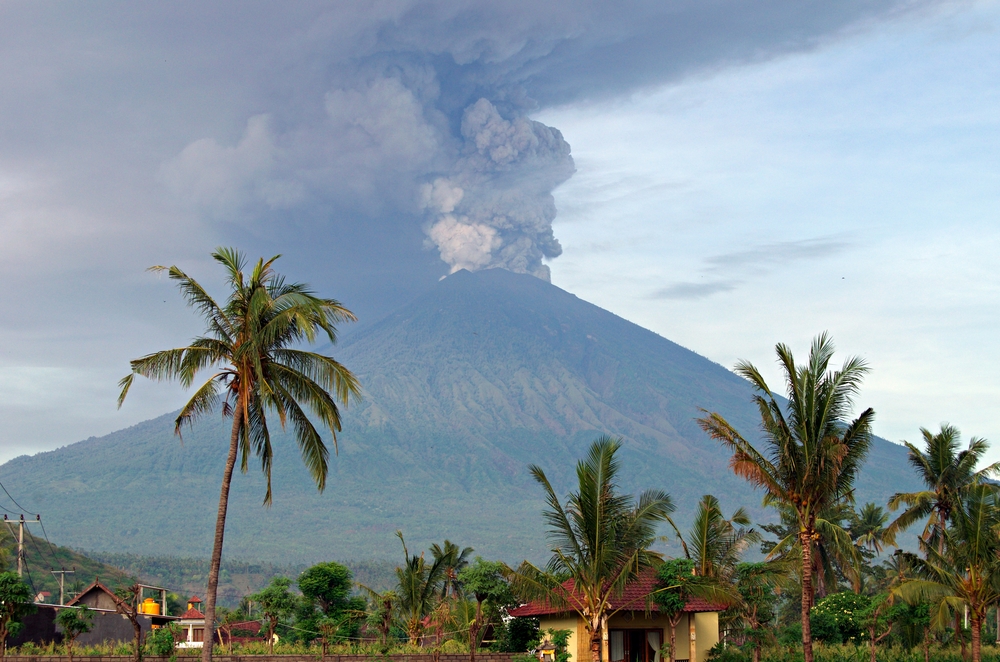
<point>726,271</point>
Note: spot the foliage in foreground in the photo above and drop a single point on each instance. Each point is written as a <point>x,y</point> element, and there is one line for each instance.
<point>849,653</point>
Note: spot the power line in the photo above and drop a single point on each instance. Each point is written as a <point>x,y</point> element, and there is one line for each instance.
<point>15,502</point>
<point>53,547</point>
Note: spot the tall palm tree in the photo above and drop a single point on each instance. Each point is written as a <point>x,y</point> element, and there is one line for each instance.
<point>251,348</point>
<point>601,541</point>
<point>716,544</point>
<point>454,560</point>
<point>948,474</point>
<point>812,454</point>
<point>967,573</point>
<point>419,584</point>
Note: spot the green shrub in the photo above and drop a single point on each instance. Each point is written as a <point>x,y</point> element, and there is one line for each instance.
<point>847,612</point>
<point>161,641</point>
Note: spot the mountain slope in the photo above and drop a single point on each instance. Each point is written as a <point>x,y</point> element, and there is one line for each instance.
<point>463,389</point>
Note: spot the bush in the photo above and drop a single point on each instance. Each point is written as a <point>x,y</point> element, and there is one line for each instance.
<point>162,641</point>
<point>847,612</point>
<point>824,628</point>
<point>722,653</point>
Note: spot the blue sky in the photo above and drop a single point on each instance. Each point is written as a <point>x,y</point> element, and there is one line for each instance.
<point>728,174</point>
<point>854,188</point>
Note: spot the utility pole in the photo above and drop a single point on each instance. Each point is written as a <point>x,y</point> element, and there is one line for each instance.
<point>62,579</point>
<point>20,546</point>
<point>20,540</point>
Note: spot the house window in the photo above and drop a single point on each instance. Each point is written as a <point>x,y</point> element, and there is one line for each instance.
<point>635,645</point>
<point>198,634</point>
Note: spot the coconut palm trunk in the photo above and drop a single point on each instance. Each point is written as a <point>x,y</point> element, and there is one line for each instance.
<point>976,622</point>
<point>806,538</point>
<point>220,532</point>
<point>595,638</point>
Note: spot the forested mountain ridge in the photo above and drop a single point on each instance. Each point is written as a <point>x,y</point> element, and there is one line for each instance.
<point>463,388</point>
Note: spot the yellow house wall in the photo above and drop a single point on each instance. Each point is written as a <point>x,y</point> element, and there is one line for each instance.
<point>706,625</point>
<point>577,637</point>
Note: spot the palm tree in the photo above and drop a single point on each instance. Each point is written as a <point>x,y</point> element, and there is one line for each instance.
<point>868,528</point>
<point>716,544</point>
<point>967,573</point>
<point>834,553</point>
<point>454,560</point>
<point>948,474</point>
<point>601,541</point>
<point>419,583</point>
<point>812,456</point>
<point>251,348</point>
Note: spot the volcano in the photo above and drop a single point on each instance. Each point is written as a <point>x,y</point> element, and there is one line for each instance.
<point>463,388</point>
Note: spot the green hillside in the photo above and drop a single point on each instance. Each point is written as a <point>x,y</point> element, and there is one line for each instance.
<point>41,557</point>
<point>463,389</point>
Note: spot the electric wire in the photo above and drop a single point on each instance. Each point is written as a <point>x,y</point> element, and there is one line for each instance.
<point>23,509</point>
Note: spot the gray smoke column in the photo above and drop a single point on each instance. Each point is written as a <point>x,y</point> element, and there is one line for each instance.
<point>383,127</point>
<point>496,208</point>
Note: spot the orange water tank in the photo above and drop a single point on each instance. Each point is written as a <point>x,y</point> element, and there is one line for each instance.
<point>151,606</point>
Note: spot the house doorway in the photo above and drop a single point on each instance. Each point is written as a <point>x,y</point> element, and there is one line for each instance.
<point>635,645</point>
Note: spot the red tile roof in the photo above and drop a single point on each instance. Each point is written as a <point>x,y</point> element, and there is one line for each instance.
<point>633,598</point>
<point>192,614</point>
<point>194,598</point>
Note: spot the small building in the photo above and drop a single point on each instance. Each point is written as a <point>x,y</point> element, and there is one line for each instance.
<point>192,625</point>
<point>40,627</point>
<point>636,632</point>
<point>109,625</point>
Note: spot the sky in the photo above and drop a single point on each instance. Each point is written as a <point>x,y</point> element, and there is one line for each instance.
<point>728,174</point>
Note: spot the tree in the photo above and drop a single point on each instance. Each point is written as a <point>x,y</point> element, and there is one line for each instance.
<point>485,581</point>
<point>812,455</point>
<point>329,585</point>
<point>967,573</point>
<point>330,630</point>
<point>453,559</point>
<point>251,347</point>
<point>15,601</point>
<point>868,528</point>
<point>601,541</point>
<point>877,620</point>
<point>381,612</point>
<point>419,583</point>
<point>225,619</point>
<point>74,621</point>
<point>127,600</point>
<point>716,544</point>
<point>948,474</point>
<point>756,584</point>
<point>674,578</point>
<point>834,553</point>
<point>276,602</point>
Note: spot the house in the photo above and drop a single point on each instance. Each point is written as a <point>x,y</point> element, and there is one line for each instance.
<point>108,625</point>
<point>636,632</point>
<point>193,625</point>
